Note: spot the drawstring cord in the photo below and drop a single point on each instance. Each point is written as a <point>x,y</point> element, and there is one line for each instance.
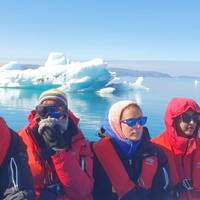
<point>14,173</point>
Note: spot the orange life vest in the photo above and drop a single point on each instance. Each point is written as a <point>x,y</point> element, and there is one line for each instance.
<point>120,180</point>
<point>5,139</point>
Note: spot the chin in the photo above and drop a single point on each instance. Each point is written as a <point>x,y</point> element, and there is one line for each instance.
<point>189,134</point>
<point>134,138</point>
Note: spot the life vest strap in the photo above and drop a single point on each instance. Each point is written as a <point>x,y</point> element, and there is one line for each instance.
<point>113,167</point>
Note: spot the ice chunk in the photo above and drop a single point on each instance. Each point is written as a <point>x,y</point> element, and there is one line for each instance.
<point>138,84</point>
<point>13,65</point>
<point>56,58</point>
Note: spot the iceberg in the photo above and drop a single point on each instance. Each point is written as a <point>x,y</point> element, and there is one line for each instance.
<point>60,72</point>
<point>57,72</point>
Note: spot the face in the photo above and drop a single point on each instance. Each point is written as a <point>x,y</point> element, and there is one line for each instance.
<point>134,132</point>
<point>187,123</point>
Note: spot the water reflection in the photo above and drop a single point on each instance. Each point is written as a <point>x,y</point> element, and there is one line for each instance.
<point>16,104</point>
<point>16,98</point>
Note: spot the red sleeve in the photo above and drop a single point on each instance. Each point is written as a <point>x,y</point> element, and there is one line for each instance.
<point>78,183</point>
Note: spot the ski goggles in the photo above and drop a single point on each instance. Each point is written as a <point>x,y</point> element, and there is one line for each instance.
<point>133,121</point>
<point>52,111</point>
<point>186,118</point>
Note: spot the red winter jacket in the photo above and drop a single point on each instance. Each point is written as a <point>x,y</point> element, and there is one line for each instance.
<point>5,140</point>
<point>183,154</point>
<point>77,183</point>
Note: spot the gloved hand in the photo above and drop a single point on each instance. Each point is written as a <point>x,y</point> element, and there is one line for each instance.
<point>52,131</point>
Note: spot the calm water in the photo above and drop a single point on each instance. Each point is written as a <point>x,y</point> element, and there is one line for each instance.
<point>15,104</point>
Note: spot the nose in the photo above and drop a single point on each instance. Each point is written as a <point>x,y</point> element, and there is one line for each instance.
<point>137,125</point>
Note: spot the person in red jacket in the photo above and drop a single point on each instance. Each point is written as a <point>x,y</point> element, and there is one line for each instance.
<point>16,182</point>
<point>181,145</point>
<point>59,155</point>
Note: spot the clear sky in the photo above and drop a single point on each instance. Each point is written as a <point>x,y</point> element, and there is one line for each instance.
<point>110,29</point>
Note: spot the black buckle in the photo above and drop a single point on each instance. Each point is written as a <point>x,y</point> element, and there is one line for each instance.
<point>183,186</point>
<point>187,184</point>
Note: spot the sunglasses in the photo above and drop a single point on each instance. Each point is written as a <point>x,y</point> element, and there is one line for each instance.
<point>52,111</point>
<point>133,121</point>
<point>188,118</point>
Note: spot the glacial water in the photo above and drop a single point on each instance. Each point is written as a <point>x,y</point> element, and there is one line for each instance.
<point>15,104</point>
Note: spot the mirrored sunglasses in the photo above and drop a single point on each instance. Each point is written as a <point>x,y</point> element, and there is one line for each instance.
<point>52,111</point>
<point>133,121</point>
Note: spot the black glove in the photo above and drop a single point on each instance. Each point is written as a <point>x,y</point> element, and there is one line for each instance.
<point>53,138</point>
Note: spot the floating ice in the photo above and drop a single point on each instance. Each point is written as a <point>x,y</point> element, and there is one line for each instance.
<point>138,84</point>
<point>106,90</point>
<point>196,82</point>
<point>59,72</point>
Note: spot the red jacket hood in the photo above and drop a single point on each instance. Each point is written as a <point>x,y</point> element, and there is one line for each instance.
<point>176,107</point>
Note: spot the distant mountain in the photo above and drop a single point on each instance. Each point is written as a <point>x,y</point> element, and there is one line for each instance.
<point>136,73</point>
<point>189,77</point>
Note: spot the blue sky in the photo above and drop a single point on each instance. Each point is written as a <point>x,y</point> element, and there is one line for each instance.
<point>110,29</point>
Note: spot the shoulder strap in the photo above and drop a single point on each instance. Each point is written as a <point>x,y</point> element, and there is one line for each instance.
<point>196,168</point>
<point>149,168</point>
<point>113,166</point>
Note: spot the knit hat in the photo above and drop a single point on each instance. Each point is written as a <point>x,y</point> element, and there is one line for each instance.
<point>54,94</point>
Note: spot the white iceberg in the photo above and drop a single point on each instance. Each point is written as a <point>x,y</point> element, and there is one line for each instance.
<point>60,72</point>
<point>57,72</point>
